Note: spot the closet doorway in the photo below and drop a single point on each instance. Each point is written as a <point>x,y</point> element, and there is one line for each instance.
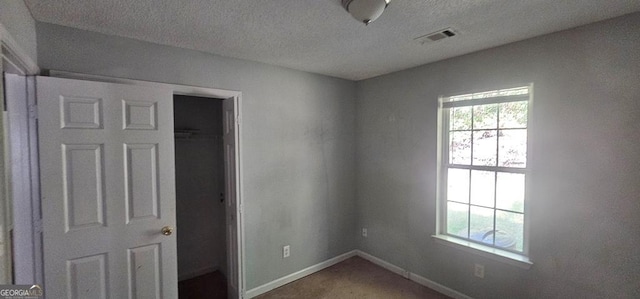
<point>200,197</point>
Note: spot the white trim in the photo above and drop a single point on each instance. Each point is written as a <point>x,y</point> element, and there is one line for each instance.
<point>384,264</point>
<point>5,191</point>
<point>36,211</point>
<point>15,55</point>
<point>239,193</point>
<point>198,272</point>
<point>528,183</point>
<point>178,89</point>
<point>495,254</point>
<point>27,247</point>
<point>18,145</point>
<point>437,287</point>
<point>238,203</point>
<point>413,277</point>
<point>297,275</point>
<point>483,90</point>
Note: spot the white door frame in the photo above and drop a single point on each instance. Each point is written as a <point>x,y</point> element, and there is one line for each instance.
<point>16,59</point>
<point>27,246</point>
<point>201,92</point>
<point>25,180</point>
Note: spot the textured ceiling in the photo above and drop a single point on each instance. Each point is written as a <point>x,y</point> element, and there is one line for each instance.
<point>319,36</point>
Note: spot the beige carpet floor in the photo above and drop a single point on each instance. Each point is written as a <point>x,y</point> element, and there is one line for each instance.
<point>353,278</point>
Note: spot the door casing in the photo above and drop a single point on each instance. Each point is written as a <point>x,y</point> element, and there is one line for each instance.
<point>15,60</point>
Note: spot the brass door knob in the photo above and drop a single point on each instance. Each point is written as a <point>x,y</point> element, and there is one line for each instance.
<point>167,230</point>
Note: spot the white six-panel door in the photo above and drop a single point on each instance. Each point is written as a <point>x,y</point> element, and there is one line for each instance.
<point>108,188</point>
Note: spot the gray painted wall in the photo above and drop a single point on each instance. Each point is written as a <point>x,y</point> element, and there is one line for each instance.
<point>585,159</point>
<point>298,155</point>
<point>297,145</point>
<point>16,18</point>
<point>200,214</point>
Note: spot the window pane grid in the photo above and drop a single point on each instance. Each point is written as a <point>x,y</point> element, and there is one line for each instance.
<point>470,163</point>
<point>501,223</point>
<point>485,244</point>
<point>499,129</point>
<point>497,100</point>
<point>505,169</point>
<point>495,94</point>
<point>481,206</point>
<point>495,204</point>
<point>495,176</point>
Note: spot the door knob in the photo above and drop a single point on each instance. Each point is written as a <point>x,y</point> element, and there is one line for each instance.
<point>167,230</point>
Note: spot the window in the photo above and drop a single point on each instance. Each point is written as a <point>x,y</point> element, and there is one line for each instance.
<point>484,167</point>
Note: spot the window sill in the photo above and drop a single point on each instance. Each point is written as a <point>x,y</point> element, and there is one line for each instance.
<point>503,256</point>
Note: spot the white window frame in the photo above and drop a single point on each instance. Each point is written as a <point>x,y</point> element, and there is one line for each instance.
<point>517,258</point>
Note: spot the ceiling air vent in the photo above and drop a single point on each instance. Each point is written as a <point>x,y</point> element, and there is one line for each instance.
<point>436,36</point>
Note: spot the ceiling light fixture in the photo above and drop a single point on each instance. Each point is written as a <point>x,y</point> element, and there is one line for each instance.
<point>365,11</point>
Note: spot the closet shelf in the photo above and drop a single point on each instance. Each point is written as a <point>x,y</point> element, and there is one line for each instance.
<point>194,134</point>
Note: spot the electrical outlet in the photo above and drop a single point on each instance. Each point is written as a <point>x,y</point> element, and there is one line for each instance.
<point>286,251</point>
<point>478,270</point>
<point>364,232</point>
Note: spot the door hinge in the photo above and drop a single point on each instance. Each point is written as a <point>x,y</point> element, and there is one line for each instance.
<point>238,120</point>
<point>37,226</point>
<point>33,111</point>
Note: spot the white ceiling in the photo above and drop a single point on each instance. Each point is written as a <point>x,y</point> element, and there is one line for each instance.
<point>319,36</point>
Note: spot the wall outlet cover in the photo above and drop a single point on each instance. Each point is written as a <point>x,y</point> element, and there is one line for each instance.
<point>478,270</point>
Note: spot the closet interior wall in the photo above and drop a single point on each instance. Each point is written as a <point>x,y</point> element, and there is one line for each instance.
<point>199,186</point>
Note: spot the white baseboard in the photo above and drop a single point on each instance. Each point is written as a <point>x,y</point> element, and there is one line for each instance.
<point>297,275</point>
<point>196,273</point>
<point>380,262</point>
<point>437,287</point>
<point>384,264</point>
<point>412,276</point>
